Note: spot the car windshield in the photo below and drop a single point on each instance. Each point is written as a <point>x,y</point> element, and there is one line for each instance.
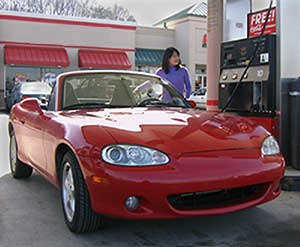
<point>97,90</point>
<point>35,87</point>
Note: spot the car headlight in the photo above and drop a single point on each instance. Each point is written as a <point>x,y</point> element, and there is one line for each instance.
<point>270,146</point>
<point>132,155</point>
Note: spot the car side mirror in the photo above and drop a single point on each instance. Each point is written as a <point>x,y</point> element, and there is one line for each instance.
<point>192,103</point>
<point>43,101</point>
<point>32,105</point>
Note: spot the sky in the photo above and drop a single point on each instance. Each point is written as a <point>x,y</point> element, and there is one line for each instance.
<point>148,12</point>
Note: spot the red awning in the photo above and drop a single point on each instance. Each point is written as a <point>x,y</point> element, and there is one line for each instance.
<point>103,59</point>
<point>36,56</point>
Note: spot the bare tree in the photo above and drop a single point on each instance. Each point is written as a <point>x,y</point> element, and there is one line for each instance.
<point>99,12</point>
<point>79,8</point>
<point>3,5</point>
<point>15,5</point>
<point>120,13</point>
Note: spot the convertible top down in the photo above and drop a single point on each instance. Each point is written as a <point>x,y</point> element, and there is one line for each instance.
<point>127,144</point>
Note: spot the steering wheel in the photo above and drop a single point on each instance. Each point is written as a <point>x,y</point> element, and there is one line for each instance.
<point>147,101</point>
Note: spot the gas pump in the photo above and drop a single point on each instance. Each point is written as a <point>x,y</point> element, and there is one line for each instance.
<point>255,97</point>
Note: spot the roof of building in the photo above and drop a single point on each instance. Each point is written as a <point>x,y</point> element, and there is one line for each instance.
<point>198,9</point>
<point>20,15</point>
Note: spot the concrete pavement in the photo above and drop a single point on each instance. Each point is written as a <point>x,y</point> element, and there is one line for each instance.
<point>31,215</point>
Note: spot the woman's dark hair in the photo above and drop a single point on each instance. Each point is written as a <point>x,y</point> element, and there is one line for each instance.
<point>165,61</point>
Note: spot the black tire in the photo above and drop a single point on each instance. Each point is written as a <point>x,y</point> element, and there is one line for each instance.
<point>83,219</point>
<point>18,169</point>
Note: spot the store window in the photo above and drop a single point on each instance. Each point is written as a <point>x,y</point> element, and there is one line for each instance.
<point>201,78</point>
<point>16,74</point>
<point>147,69</point>
<point>49,74</point>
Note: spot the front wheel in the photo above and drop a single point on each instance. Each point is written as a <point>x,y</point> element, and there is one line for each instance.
<point>75,198</point>
<point>18,169</point>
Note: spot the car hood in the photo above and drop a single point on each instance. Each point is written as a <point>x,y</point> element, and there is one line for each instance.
<point>173,130</point>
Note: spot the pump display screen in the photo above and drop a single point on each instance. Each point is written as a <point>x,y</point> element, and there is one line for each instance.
<point>237,53</point>
<point>244,52</point>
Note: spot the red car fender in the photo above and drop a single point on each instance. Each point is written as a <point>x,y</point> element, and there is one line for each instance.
<point>87,144</point>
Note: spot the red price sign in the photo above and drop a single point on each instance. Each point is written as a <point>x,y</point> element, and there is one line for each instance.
<point>257,20</point>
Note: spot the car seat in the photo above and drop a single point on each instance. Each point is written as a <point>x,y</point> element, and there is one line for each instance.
<point>121,95</point>
<point>70,96</point>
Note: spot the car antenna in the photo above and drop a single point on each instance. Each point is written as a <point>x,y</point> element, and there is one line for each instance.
<point>251,60</point>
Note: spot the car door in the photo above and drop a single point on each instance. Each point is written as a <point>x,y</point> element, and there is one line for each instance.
<point>33,140</point>
<point>202,96</point>
<point>51,129</point>
<point>21,135</point>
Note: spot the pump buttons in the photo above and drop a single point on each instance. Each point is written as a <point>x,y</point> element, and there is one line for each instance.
<point>234,76</point>
<point>224,78</point>
<point>246,76</point>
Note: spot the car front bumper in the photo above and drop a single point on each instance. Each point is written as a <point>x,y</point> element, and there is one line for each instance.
<point>188,177</point>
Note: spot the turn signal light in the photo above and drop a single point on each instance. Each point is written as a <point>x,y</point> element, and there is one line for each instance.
<point>100,180</point>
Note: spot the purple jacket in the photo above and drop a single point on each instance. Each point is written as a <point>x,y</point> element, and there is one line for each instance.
<point>179,78</point>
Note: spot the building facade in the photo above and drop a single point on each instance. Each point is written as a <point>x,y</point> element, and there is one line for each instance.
<point>190,27</point>
<point>38,47</point>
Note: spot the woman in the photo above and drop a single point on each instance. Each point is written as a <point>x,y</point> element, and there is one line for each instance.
<point>174,72</point>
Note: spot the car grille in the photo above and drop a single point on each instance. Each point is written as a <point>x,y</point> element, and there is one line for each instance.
<point>217,198</point>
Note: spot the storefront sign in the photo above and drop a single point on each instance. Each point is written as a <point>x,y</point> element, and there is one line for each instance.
<point>20,77</point>
<point>257,20</point>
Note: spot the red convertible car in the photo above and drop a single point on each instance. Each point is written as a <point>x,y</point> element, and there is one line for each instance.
<point>127,144</point>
